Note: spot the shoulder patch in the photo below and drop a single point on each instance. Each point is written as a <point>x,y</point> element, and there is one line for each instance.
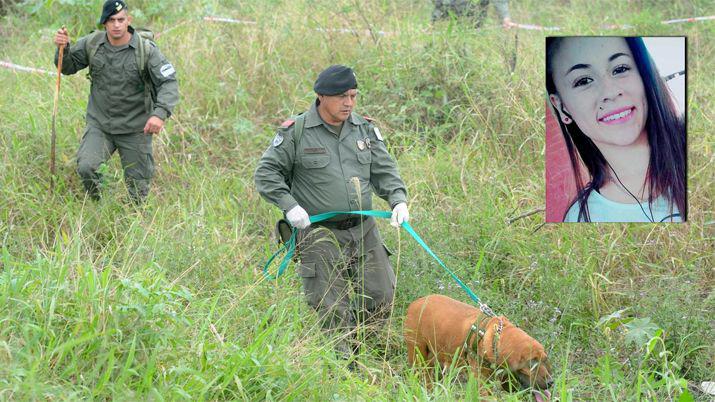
<point>167,69</point>
<point>277,140</point>
<point>287,123</point>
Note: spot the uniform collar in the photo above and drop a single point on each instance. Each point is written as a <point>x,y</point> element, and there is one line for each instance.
<point>313,119</point>
<point>103,38</point>
<point>134,41</point>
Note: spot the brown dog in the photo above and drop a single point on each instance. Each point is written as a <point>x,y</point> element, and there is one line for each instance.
<point>437,327</point>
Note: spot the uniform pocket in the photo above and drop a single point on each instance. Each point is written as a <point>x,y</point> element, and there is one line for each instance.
<point>306,270</point>
<point>131,72</point>
<point>146,145</point>
<point>364,157</point>
<point>96,69</point>
<point>315,161</point>
<point>147,151</point>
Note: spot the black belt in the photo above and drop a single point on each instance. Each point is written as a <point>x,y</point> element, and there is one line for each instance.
<point>344,224</point>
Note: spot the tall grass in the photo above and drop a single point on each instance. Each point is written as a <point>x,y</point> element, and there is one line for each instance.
<point>105,300</point>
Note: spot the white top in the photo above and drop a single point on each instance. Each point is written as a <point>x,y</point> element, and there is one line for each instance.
<point>601,209</point>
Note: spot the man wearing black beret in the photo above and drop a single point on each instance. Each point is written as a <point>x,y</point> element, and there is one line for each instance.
<point>133,91</point>
<point>332,159</point>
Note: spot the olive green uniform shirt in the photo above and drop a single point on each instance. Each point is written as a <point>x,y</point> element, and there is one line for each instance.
<point>328,172</point>
<point>116,99</point>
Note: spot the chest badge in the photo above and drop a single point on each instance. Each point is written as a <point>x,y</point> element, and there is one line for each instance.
<point>367,143</point>
<point>361,145</point>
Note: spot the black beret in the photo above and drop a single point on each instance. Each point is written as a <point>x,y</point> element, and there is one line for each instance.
<point>335,80</point>
<point>110,8</point>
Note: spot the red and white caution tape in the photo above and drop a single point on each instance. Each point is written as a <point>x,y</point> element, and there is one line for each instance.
<point>534,27</point>
<point>338,30</point>
<point>354,31</point>
<point>613,26</point>
<point>531,27</point>
<point>693,19</point>
<point>15,67</point>
<point>179,25</point>
<point>18,68</point>
<point>229,20</point>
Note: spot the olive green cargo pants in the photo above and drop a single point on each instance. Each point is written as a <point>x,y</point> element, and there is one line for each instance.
<point>135,151</point>
<point>347,278</point>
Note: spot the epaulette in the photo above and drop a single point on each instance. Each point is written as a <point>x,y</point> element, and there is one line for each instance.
<point>369,119</point>
<point>287,123</point>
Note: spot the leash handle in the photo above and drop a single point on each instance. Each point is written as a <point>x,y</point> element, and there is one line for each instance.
<point>289,249</point>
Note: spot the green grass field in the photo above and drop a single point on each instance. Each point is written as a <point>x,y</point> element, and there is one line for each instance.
<point>167,302</point>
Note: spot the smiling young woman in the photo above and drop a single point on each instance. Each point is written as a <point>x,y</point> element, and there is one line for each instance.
<point>619,120</point>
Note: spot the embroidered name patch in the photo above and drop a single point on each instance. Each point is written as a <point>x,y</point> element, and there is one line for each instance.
<point>167,70</point>
<point>314,150</point>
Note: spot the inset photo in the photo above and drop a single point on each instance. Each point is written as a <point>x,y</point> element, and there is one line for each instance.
<point>615,129</point>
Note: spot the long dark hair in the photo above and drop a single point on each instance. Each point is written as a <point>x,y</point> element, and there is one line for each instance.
<point>665,130</point>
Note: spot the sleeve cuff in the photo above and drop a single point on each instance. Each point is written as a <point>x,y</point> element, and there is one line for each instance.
<point>396,198</point>
<point>160,113</point>
<point>287,202</point>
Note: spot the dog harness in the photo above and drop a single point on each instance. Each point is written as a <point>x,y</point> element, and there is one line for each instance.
<point>476,329</point>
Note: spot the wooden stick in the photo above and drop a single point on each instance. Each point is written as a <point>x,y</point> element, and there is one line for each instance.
<point>54,118</point>
<point>524,215</point>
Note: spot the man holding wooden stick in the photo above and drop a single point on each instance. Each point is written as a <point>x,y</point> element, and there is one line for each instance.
<point>133,91</point>
<point>54,117</point>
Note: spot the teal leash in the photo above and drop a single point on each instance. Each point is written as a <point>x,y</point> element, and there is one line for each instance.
<point>289,246</point>
<point>289,249</point>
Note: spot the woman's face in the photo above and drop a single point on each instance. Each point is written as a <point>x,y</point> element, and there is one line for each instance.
<point>599,86</point>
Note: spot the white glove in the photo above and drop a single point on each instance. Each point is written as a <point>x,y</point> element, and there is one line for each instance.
<point>399,215</point>
<point>298,217</point>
